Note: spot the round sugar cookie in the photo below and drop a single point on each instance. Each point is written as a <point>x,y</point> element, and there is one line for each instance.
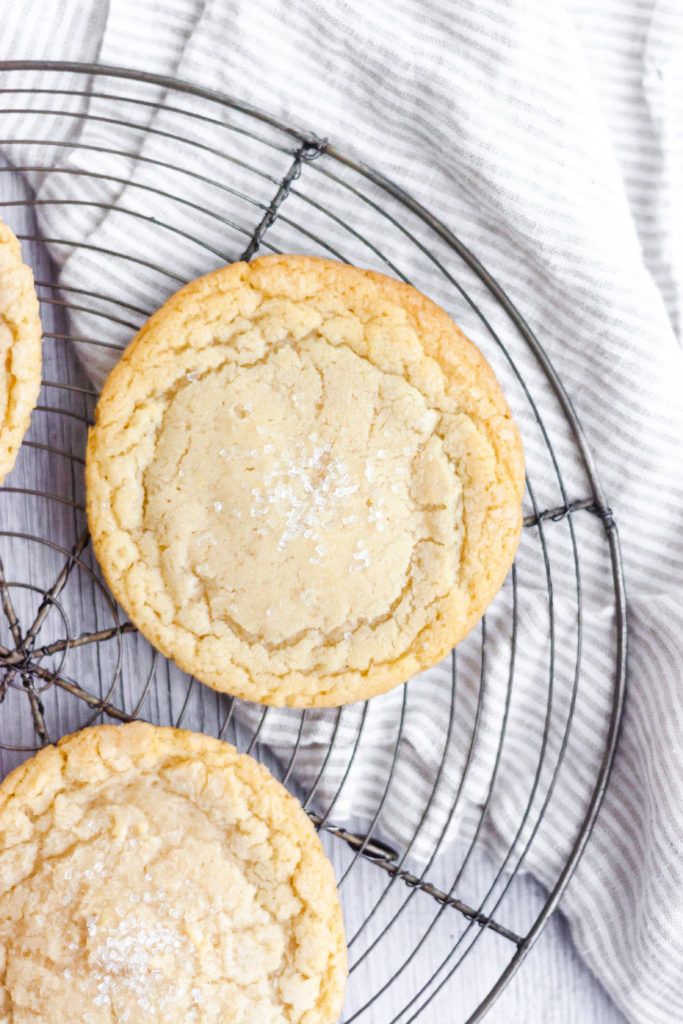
<point>304,483</point>
<point>152,874</point>
<point>20,349</point>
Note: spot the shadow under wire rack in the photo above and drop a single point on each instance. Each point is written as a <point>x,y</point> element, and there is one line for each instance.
<point>224,181</point>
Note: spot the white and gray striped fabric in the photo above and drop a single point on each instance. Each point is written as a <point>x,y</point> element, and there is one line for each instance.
<point>550,135</point>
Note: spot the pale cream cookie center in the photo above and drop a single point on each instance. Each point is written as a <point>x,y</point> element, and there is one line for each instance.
<point>295,494</point>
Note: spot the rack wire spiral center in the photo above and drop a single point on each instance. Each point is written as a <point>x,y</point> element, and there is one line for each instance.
<point>203,179</point>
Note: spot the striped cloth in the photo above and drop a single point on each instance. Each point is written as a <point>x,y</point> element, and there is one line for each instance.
<point>550,135</point>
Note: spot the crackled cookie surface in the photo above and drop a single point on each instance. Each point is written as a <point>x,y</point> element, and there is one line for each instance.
<point>150,874</point>
<point>304,484</point>
<point>20,349</point>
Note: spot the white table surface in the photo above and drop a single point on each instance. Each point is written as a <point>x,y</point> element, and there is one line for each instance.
<point>553,986</point>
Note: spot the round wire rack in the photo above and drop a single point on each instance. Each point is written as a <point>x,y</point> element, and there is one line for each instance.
<point>200,179</point>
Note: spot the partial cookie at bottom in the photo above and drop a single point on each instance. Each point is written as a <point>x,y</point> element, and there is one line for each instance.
<point>154,874</point>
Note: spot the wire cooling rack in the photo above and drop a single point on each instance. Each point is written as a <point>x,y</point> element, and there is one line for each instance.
<point>219,181</point>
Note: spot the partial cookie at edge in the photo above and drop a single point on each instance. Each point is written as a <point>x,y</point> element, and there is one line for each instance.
<point>20,348</point>
<point>53,832</point>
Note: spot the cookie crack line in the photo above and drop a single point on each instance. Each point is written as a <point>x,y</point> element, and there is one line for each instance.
<point>341,673</point>
<point>331,639</point>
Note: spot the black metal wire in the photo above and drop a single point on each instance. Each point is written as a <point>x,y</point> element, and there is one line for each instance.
<point>25,668</point>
